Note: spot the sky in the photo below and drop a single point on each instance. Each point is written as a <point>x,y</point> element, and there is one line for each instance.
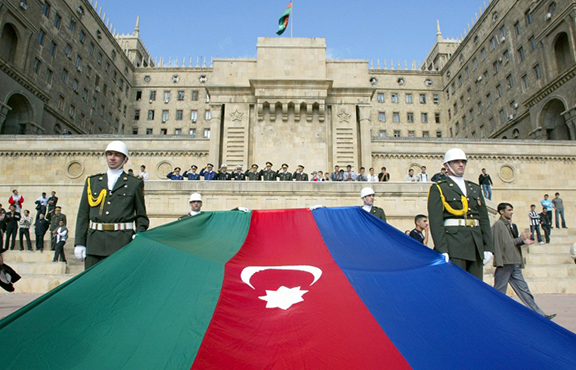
<point>401,30</point>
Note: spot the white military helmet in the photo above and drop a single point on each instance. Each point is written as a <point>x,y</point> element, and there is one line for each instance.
<point>455,154</point>
<point>195,197</point>
<point>366,191</point>
<point>117,146</point>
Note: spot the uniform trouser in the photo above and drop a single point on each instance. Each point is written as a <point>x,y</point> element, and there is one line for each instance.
<point>53,242</point>
<point>39,242</point>
<point>475,268</point>
<point>537,229</point>
<point>10,232</point>
<point>513,274</point>
<point>24,232</point>
<point>59,252</point>
<point>546,229</point>
<point>91,260</point>
<point>560,212</point>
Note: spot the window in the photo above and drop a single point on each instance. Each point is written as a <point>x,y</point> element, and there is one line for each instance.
<point>179,115</point>
<point>207,133</point>
<point>425,133</point>
<point>467,73</point>
<point>485,74</point>
<point>509,81</point>
<point>57,21</point>
<point>152,95</point>
<point>166,96</point>
<point>525,82</point>
<point>495,67</point>
<point>527,17</point>
<point>537,71</point>
<point>165,114</point>
<point>411,133</point>
<point>455,108</point>
<point>192,132</point>
<point>106,67</point>
<point>64,76</point>
<point>79,63</point>
<point>471,114</point>
<point>449,114</point>
<point>397,133</point>
<point>137,115</point>
<point>502,115</point>
<point>207,100</point>
<point>82,36</point>
<point>394,98</point>
<point>46,9</point>
<point>498,91</point>
<point>134,130</point>
<point>72,111</point>
<point>489,99</point>
<point>150,114</point>
<point>474,64</point>
<point>410,117</point>
<point>194,95</point>
<point>138,95</point>
<point>503,32</point>
<point>422,98</point>
<point>75,84</point>
<point>438,134</point>
<point>532,42</point>
<point>36,66</point>
<point>194,115</point>
<point>424,117</point>
<point>52,48</point>
<point>436,98</point>
<point>396,117</point>
<point>457,128</point>
<point>380,97</point>
<point>437,117</point>
<point>91,49</point>
<point>72,25</point>
<point>460,81</point>
<point>68,51</point>
<point>207,115</point>
<point>99,58</point>
<point>408,98</point>
<point>149,131</point>
<point>181,95</point>
<point>113,55</point>
<point>517,28</point>
<point>506,56</point>
<point>163,131</point>
<point>382,134</point>
<point>483,53</point>
<point>493,43</point>
<point>88,71</point>
<point>521,54</point>
<point>177,131</point>
<point>61,102</point>
<point>479,107</point>
<point>85,94</point>
<point>93,103</point>
<point>41,35</point>
<point>97,81</point>
<point>382,116</point>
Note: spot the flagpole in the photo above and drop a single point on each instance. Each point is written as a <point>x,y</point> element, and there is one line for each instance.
<point>292,23</point>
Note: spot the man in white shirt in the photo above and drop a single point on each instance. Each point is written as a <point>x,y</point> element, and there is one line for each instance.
<point>143,174</point>
<point>410,177</point>
<point>24,231</point>
<point>423,176</point>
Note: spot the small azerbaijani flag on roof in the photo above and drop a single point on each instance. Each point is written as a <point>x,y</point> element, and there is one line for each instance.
<point>283,21</point>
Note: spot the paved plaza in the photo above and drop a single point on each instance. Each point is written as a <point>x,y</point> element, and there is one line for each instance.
<point>564,305</point>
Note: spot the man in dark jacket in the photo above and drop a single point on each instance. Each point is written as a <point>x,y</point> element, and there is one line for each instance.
<point>40,228</point>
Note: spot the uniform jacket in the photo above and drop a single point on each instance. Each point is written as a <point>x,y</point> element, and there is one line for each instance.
<point>173,176</point>
<point>208,175</point>
<point>124,203</point>
<point>300,176</point>
<point>378,212</point>
<point>55,219</point>
<point>506,249</point>
<point>239,176</point>
<point>268,175</point>
<point>191,175</point>
<point>284,176</point>
<point>12,220</point>
<point>252,176</point>
<point>222,175</point>
<point>467,243</point>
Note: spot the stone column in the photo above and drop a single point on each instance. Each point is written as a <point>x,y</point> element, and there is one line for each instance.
<point>364,112</point>
<point>570,117</point>
<point>4,109</point>
<point>214,156</point>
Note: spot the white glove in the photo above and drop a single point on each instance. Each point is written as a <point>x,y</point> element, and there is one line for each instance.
<point>80,252</point>
<point>487,257</point>
<point>446,257</point>
<point>316,207</point>
<point>243,209</point>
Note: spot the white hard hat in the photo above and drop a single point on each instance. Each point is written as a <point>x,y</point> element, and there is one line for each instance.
<point>195,197</point>
<point>366,191</point>
<point>117,146</point>
<point>455,154</point>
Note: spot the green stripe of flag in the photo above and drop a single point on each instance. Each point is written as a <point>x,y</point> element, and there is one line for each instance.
<point>283,21</point>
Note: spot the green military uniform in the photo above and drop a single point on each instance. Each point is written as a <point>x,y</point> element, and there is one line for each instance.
<point>465,245</point>
<point>300,176</point>
<point>56,218</point>
<point>268,175</point>
<point>102,216</point>
<point>284,176</point>
<point>378,212</point>
<point>252,176</point>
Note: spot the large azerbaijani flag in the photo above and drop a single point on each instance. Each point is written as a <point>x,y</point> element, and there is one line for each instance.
<point>333,288</point>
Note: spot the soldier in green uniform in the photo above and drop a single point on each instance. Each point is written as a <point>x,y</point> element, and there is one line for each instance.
<point>300,175</point>
<point>56,217</point>
<point>252,174</point>
<point>268,174</point>
<point>111,209</point>
<point>283,174</point>
<point>458,218</point>
<point>367,196</point>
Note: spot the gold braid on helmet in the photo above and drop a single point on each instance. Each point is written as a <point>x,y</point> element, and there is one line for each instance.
<point>94,202</point>
<point>448,208</point>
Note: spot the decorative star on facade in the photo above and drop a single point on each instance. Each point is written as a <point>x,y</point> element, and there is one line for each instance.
<point>236,116</point>
<point>283,297</point>
<point>344,117</point>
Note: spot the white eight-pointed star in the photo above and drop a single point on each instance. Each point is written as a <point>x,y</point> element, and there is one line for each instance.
<point>283,297</point>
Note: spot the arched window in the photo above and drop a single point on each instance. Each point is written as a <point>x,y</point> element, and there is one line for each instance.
<point>562,52</point>
<point>516,134</point>
<point>57,129</point>
<point>9,42</point>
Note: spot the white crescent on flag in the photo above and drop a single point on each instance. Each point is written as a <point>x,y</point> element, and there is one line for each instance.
<point>247,273</point>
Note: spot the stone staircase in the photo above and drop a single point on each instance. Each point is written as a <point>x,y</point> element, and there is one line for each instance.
<point>39,273</point>
<point>549,267</point>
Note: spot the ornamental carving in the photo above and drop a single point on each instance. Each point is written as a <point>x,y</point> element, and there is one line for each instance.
<point>74,169</point>
<point>507,173</point>
<point>343,116</point>
<point>236,116</point>
<point>163,168</point>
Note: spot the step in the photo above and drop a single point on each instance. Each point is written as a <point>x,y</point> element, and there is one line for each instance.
<point>542,285</point>
<point>39,268</point>
<point>548,259</point>
<point>10,257</point>
<point>547,249</point>
<point>38,283</point>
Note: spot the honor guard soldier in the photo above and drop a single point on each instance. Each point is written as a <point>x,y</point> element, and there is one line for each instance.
<point>367,196</point>
<point>252,174</point>
<point>458,217</point>
<point>299,174</point>
<point>111,209</point>
<point>195,205</point>
<point>283,174</point>
<point>268,174</point>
